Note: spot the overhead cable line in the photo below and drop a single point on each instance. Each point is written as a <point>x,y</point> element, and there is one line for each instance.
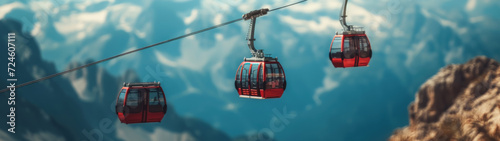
<point>139,49</point>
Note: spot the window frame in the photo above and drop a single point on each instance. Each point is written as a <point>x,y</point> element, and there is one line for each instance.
<point>245,84</point>
<point>121,100</point>
<point>269,76</point>
<point>237,82</point>
<point>365,49</point>
<point>336,47</point>
<point>348,48</point>
<point>139,105</point>
<point>261,76</point>
<point>276,75</point>
<point>254,75</point>
<point>159,96</point>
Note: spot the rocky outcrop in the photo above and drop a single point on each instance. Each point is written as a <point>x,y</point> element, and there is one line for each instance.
<point>461,102</point>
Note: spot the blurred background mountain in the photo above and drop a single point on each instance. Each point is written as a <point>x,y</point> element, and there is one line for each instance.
<point>52,110</point>
<point>411,41</point>
<point>460,102</point>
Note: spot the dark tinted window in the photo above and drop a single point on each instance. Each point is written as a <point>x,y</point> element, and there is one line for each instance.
<point>155,100</point>
<point>253,75</point>
<point>154,97</point>
<point>282,77</point>
<point>261,76</point>
<point>237,82</point>
<point>269,76</point>
<point>365,50</point>
<point>274,76</point>
<point>336,51</point>
<point>134,100</point>
<point>349,48</point>
<point>121,97</point>
<point>161,97</point>
<point>244,76</point>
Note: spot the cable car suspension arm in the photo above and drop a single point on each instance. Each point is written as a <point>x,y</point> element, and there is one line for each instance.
<point>252,16</point>
<point>343,17</point>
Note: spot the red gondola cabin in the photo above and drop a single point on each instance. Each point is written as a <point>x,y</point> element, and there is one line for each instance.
<point>260,76</point>
<point>350,50</point>
<point>141,103</point>
<point>260,79</point>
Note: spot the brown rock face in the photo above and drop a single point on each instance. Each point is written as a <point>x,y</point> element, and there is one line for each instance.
<point>461,102</point>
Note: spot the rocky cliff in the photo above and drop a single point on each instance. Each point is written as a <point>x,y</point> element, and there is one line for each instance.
<point>461,102</point>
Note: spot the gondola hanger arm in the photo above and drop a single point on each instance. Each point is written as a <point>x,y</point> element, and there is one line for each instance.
<point>343,17</point>
<point>252,16</point>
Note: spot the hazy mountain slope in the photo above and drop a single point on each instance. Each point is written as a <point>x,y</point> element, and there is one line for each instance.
<point>55,97</point>
<point>33,123</point>
<point>65,107</point>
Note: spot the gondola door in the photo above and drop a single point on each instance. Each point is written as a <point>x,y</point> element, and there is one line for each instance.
<point>261,80</point>
<point>336,55</point>
<point>120,105</point>
<point>365,52</point>
<point>155,105</point>
<point>134,105</point>
<point>349,51</point>
<point>245,84</point>
<point>254,85</point>
<point>355,42</point>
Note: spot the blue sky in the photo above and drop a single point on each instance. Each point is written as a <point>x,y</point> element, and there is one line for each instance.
<point>411,40</point>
